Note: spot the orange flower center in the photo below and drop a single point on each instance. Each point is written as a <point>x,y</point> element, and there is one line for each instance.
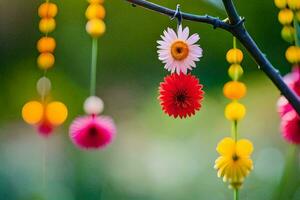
<point>179,50</point>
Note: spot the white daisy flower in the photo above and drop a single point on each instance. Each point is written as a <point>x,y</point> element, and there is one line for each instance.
<point>178,51</point>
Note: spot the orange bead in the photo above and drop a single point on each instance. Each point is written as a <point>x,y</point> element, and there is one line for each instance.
<point>280,3</point>
<point>293,4</point>
<point>47,25</point>
<point>56,113</point>
<point>95,27</point>
<point>292,54</point>
<point>47,10</point>
<point>285,16</point>
<point>235,111</point>
<point>32,112</point>
<point>234,56</point>
<point>45,60</point>
<point>46,44</point>
<point>95,1</point>
<point>95,11</point>
<point>234,90</point>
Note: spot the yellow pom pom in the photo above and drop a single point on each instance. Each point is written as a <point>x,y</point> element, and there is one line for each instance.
<point>293,4</point>
<point>95,27</point>
<point>95,1</point>
<point>47,10</point>
<point>292,54</point>
<point>56,113</point>
<point>234,90</point>
<point>280,3</point>
<point>288,33</point>
<point>235,71</point>
<point>45,60</point>
<point>46,44</point>
<point>285,16</point>
<point>47,25</point>
<point>234,56</point>
<point>235,111</point>
<point>32,112</point>
<point>95,11</point>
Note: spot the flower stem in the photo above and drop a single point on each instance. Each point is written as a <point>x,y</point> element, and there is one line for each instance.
<point>297,32</point>
<point>94,67</point>
<point>236,194</point>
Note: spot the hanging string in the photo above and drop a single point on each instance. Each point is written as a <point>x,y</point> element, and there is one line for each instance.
<point>234,42</point>
<point>94,67</point>
<point>44,160</point>
<point>296,26</point>
<point>177,15</point>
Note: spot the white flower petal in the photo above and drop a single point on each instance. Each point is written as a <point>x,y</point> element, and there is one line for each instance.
<point>185,33</point>
<point>179,32</point>
<point>172,34</point>
<point>193,39</point>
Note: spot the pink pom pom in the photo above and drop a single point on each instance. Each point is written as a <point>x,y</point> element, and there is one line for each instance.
<point>290,127</point>
<point>92,132</point>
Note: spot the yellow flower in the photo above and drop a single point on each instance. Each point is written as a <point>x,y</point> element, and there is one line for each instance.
<point>234,163</point>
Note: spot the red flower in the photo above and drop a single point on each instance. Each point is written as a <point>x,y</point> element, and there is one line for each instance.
<point>180,95</point>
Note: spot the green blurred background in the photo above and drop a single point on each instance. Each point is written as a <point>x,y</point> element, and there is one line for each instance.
<point>154,157</point>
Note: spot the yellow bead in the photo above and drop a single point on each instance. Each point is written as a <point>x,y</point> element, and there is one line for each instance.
<point>234,90</point>
<point>46,44</point>
<point>95,1</point>
<point>234,56</point>
<point>45,60</point>
<point>47,25</point>
<point>288,33</point>
<point>95,27</point>
<point>285,16</point>
<point>32,112</point>
<point>235,111</point>
<point>47,10</point>
<point>56,113</point>
<point>235,71</point>
<point>293,4</point>
<point>95,11</point>
<point>280,3</point>
<point>292,54</point>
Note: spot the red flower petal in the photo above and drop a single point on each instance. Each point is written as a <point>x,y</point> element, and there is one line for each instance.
<point>180,95</point>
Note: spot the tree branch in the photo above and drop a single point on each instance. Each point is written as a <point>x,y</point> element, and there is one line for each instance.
<point>237,28</point>
<point>214,21</point>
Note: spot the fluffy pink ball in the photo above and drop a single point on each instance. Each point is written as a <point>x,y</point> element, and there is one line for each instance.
<point>290,121</point>
<point>92,132</point>
<point>290,127</point>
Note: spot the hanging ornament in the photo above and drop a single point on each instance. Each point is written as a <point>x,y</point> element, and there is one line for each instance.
<point>93,131</point>
<point>181,93</point>
<point>234,163</point>
<point>44,114</point>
